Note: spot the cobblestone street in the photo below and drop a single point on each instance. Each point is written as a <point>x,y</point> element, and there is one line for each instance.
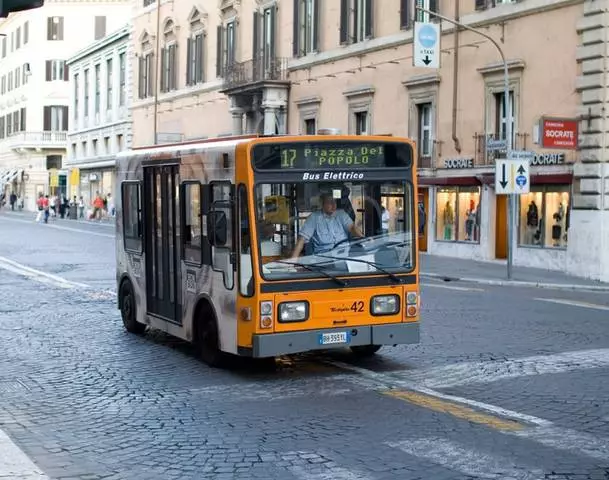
<point>508,383</point>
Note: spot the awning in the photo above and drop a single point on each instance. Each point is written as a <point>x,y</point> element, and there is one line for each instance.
<point>12,175</point>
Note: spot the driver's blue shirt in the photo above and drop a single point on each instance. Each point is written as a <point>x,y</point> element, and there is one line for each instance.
<point>323,231</point>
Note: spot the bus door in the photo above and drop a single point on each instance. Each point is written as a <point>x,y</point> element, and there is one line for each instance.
<point>163,282</point>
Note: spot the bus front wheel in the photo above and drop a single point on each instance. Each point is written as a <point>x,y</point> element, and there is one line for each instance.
<point>209,343</point>
<point>365,350</point>
<point>129,309</point>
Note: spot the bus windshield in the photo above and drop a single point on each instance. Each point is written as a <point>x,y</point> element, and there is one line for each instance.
<point>316,229</point>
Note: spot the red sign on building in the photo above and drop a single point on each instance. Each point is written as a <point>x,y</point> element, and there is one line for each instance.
<point>559,133</point>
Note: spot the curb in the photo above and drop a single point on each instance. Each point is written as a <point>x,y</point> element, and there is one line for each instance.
<point>519,283</point>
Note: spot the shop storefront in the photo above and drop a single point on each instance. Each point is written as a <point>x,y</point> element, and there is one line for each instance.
<point>466,219</point>
<point>457,213</point>
<point>544,213</point>
<point>94,178</point>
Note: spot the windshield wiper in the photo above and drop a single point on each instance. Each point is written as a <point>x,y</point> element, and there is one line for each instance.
<point>393,277</point>
<point>342,283</point>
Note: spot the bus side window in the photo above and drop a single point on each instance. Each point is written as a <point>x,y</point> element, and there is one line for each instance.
<point>132,216</point>
<point>191,222</point>
<point>246,280</point>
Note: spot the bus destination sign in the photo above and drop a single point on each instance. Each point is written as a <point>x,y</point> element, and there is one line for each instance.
<point>331,156</point>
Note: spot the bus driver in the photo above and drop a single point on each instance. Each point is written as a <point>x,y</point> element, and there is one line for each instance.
<point>325,228</point>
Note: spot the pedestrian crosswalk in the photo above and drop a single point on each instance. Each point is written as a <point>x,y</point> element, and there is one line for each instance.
<point>471,462</point>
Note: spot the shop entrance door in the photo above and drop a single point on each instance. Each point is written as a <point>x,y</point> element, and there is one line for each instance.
<point>501,223</point>
<point>162,252</point>
<point>423,198</point>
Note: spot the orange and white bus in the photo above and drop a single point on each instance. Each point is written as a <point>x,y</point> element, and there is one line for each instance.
<point>264,246</point>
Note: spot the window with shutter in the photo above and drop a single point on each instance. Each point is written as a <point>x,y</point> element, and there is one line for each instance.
<point>189,62</point>
<point>22,126</point>
<point>200,58</point>
<point>231,43</point>
<point>306,27</point>
<point>268,39</point>
<point>46,123</point>
<point>219,51</point>
<point>405,14</point>
<point>49,70</point>
<point>100,27</point>
<point>173,67</point>
<point>55,28</point>
<point>26,32</point>
<point>164,69</point>
<point>150,73</point>
<point>256,35</point>
<point>86,93</point>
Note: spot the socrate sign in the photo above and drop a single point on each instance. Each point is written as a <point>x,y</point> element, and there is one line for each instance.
<point>559,133</point>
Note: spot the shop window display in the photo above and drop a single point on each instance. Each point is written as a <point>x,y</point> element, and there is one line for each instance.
<point>458,214</point>
<point>544,216</point>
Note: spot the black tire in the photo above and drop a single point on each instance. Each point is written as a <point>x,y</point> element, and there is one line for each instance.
<point>209,344</point>
<point>129,310</point>
<point>363,351</point>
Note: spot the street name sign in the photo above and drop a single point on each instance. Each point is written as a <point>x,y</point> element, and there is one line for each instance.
<point>492,144</point>
<point>512,177</point>
<point>426,45</point>
<point>521,155</point>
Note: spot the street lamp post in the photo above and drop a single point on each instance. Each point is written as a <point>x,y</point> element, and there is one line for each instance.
<point>508,125</point>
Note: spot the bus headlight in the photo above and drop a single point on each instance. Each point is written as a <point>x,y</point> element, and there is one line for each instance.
<point>385,305</point>
<point>293,311</point>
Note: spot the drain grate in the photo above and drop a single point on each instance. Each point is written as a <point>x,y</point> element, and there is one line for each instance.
<point>13,386</point>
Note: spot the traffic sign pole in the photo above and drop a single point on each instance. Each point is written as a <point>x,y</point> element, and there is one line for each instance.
<point>508,125</point>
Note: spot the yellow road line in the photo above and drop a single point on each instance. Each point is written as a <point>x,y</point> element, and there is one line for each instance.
<point>456,410</point>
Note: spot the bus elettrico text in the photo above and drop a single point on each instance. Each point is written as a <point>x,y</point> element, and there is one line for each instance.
<point>265,246</point>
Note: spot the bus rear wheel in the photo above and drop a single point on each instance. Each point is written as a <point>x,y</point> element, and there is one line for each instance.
<point>365,350</point>
<point>129,309</point>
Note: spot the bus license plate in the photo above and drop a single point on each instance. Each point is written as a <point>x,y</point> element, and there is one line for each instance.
<point>333,338</point>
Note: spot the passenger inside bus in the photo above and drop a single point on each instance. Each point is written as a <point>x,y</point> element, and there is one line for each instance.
<point>326,228</point>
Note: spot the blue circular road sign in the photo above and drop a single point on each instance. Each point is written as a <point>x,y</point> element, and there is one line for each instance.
<point>427,36</point>
<point>521,180</point>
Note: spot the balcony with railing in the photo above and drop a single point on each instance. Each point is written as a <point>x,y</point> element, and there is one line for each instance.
<point>490,147</point>
<point>47,139</point>
<point>255,73</point>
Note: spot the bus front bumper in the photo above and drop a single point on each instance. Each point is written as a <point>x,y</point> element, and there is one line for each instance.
<point>274,344</point>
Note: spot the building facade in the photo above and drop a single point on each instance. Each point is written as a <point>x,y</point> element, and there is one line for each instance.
<point>35,91</point>
<point>293,66</point>
<point>100,120</point>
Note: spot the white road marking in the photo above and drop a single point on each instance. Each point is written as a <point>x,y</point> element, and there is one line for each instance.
<point>251,391</point>
<point>388,381</point>
<point>450,287</point>
<point>38,275</point>
<point>542,431</point>
<point>60,227</point>
<point>468,373</point>
<point>573,303</point>
<point>16,465</point>
<point>469,462</point>
<point>567,439</point>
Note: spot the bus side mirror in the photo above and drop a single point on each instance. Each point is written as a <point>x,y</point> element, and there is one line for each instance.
<point>217,228</point>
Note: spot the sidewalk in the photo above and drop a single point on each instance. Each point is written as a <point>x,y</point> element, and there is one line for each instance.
<point>495,273</point>
<point>32,215</point>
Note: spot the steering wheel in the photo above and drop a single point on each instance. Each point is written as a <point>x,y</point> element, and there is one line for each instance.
<point>344,240</point>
